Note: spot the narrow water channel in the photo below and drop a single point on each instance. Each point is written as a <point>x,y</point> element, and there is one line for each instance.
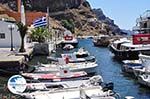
<point>109,68</point>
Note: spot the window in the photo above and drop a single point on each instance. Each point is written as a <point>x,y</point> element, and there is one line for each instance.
<point>2,35</point>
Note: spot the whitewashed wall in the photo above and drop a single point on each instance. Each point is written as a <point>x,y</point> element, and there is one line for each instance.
<point>7,41</point>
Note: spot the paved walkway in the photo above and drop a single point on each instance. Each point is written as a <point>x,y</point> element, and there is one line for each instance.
<point>14,56</point>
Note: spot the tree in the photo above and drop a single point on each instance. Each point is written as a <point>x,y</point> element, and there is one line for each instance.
<point>23,31</point>
<point>69,24</point>
<point>40,34</point>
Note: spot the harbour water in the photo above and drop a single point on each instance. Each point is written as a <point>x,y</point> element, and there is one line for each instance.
<point>109,68</point>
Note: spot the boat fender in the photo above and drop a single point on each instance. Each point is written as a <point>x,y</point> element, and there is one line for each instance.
<point>67,59</point>
<point>110,93</point>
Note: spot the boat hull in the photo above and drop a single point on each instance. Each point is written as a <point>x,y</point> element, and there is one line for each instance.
<point>90,69</point>
<point>130,65</point>
<point>128,54</point>
<point>54,76</point>
<point>94,92</point>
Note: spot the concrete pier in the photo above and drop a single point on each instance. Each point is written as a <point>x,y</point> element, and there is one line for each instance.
<point>28,54</point>
<point>13,61</point>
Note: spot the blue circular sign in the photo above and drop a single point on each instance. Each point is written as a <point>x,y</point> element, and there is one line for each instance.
<point>16,84</point>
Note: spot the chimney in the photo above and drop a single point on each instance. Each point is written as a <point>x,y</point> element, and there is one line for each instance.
<point>19,5</point>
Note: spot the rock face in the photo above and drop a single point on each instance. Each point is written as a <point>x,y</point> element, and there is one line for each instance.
<point>41,49</point>
<point>55,5</point>
<point>86,21</point>
<point>101,17</point>
<point>41,5</point>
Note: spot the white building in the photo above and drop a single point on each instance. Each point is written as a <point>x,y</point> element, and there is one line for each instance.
<point>5,35</point>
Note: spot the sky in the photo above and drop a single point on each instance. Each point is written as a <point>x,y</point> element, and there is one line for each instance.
<point>123,12</point>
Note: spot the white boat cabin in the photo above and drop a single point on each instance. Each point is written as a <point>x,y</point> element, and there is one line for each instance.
<point>126,45</point>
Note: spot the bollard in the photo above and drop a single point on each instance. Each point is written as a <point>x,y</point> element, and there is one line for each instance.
<point>4,97</point>
<point>13,97</point>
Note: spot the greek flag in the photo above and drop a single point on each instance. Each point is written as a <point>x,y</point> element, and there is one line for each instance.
<point>40,22</point>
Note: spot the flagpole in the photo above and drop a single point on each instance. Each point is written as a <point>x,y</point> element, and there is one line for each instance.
<point>48,19</point>
<point>48,26</point>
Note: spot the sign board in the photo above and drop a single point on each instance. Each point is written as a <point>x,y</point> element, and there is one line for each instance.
<point>16,84</point>
<point>141,39</point>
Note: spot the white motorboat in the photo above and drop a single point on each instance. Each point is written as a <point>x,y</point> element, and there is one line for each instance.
<point>84,81</point>
<point>81,53</point>
<point>145,59</point>
<point>69,39</point>
<point>91,92</point>
<point>62,73</point>
<point>74,57</point>
<point>88,67</point>
<point>130,65</point>
<point>144,79</point>
<point>17,81</point>
<point>87,89</point>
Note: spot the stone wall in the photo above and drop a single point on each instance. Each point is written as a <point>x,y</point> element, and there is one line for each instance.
<point>41,49</point>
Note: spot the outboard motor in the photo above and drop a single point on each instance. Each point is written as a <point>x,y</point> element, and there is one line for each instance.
<point>108,86</point>
<point>95,80</point>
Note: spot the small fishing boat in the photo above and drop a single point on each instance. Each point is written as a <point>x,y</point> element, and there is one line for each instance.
<point>88,67</point>
<point>64,73</point>
<point>145,59</point>
<point>86,81</point>
<point>74,57</point>
<point>81,53</point>
<point>91,92</point>
<point>88,89</point>
<point>144,79</point>
<point>69,39</point>
<point>130,65</point>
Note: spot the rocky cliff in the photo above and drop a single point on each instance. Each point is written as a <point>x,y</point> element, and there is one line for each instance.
<point>102,18</point>
<point>41,5</point>
<point>85,21</point>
